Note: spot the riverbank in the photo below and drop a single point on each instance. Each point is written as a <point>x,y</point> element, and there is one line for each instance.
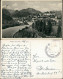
<point>9,32</point>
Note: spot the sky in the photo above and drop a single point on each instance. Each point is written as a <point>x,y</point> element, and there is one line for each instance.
<point>42,6</point>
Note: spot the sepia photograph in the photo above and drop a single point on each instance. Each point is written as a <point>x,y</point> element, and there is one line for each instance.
<point>32,19</point>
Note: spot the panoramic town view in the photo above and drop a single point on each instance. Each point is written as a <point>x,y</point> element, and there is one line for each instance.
<point>31,19</point>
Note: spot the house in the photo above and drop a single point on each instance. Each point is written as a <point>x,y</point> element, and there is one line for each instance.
<point>48,14</point>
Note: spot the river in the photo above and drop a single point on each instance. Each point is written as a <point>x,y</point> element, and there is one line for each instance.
<point>9,32</point>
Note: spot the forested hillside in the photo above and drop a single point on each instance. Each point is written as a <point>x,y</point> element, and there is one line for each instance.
<point>7,20</point>
<point>26,12</point>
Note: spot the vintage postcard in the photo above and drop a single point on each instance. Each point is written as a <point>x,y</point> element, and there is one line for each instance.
<point>31,39</point>
<point>32,19</point>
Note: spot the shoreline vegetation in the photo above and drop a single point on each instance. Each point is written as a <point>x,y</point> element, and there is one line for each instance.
<point>39,32</point>
<point>8,21</point>
<point>44,25</point>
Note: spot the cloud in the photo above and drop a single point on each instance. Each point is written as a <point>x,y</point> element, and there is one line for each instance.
<point>60,5</point>
<point>43,6</point>
<point>4,6</point>
<point>8,7</point>
<point>16,9</point>
<point>45,9</point>
<point>38,5</point>
<point>15,5</point>
<point>57,6</point>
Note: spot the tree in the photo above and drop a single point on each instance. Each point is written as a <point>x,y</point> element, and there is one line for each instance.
<point>48,28</point>
<point>59,34</point>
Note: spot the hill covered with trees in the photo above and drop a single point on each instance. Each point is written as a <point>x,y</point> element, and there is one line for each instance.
<point>6,16</point>
<point>7,20</point>
<point>25,12</point>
